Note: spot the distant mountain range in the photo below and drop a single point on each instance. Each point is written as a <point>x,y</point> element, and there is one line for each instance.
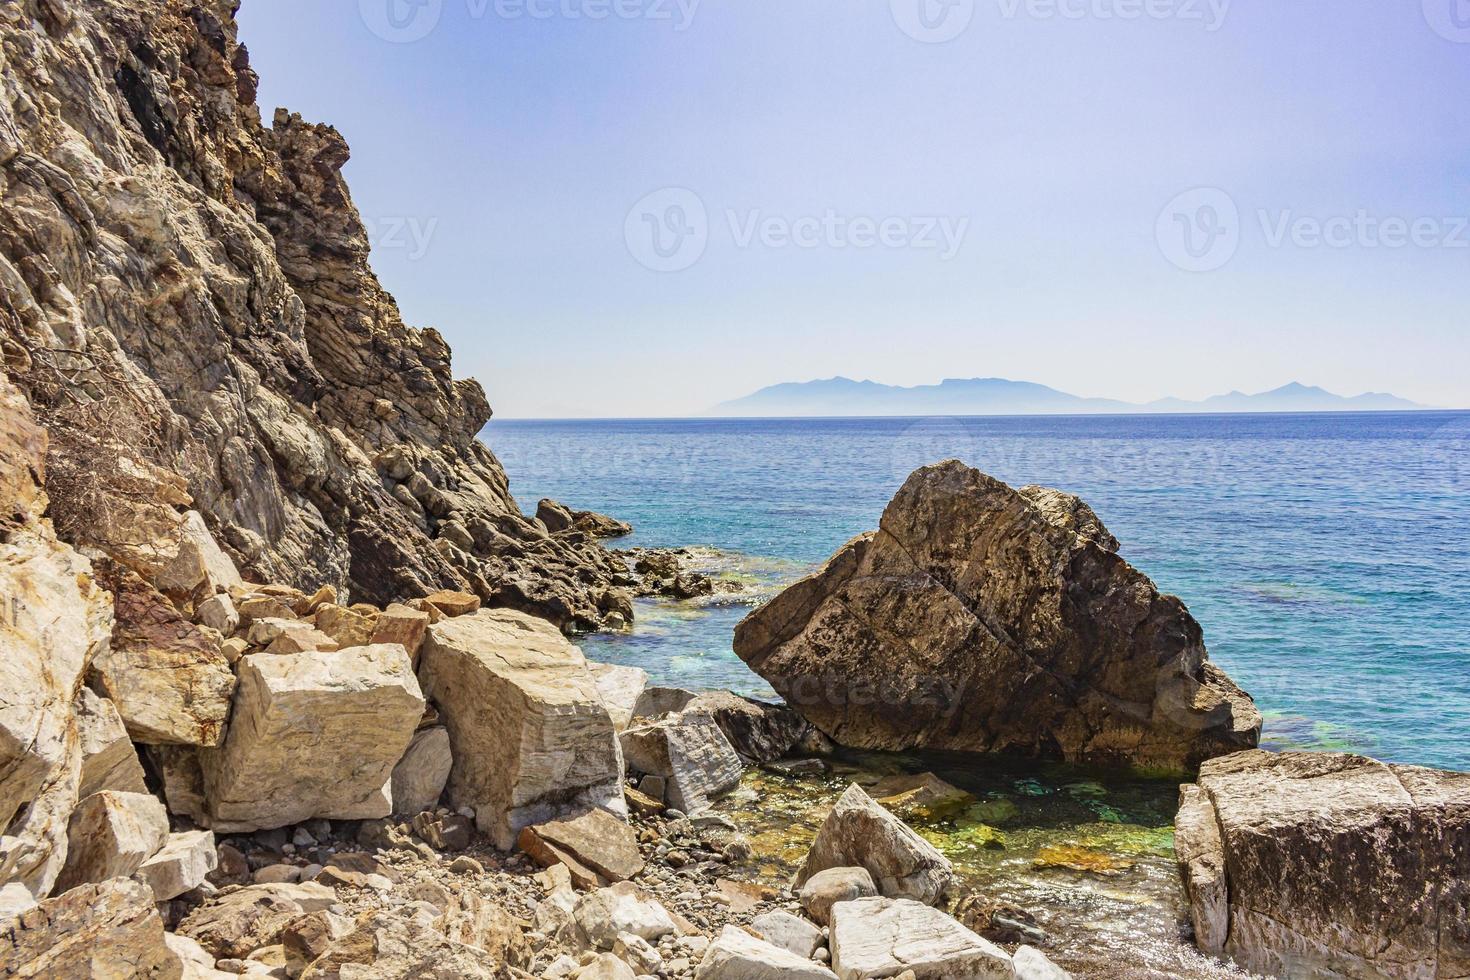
<point>997,396</point>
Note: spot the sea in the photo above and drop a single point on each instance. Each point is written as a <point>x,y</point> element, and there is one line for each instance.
<point>1326,556</point>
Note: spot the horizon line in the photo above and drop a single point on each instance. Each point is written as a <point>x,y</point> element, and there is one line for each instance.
<point>1006,415</point>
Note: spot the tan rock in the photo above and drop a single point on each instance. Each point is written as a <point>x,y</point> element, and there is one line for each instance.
<point>108,930</point>
<point>474,920</point>
<point>860,833</point>
<point>234,648</point>
<point>181,865</point>
<point>195,959</point>
<point>309,936</point>
<point>53,619</point>
<point>531,738</point>
<point>737,955</point>
<point>240,921</point>
<point>826,888</point>
<point>387,945</point>
<point>109,760</point>
<point>402,625</point>
<point>302,641</point>
<point>595,840</point>
<point>110,835</point>
<point>420,776</point>
<point>170,682</point>
<point>263,607</point>
<point>691,753</point>
<point>218,612</point>
<point>1325,864</point>
<point>183,779</point>
<point>620,687</point>
<point>273,770</point>
<point>881,937</point>
<point>199,567</point>
<point>452,603</point>
<point>348,628</point>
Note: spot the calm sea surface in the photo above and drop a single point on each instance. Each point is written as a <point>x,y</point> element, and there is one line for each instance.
<point>1327,556</point>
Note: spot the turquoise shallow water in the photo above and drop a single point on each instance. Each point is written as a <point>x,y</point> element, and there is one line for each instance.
<point>1327,556</point>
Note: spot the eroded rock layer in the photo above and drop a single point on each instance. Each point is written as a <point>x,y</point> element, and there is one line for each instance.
<point>185,292</point>
<point>985,619</point>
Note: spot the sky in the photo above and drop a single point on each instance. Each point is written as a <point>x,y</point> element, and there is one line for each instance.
<point>619,208</point>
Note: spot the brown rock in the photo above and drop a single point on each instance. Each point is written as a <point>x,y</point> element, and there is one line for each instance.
<point>169,681</point>
<point>402,625</point>
<point>977,619</point>
<point>109,760</point>
<point>596,840</point>
<point>452,603</point>
<point>109,929</point>
<point>1305,864</point>
<point>110,834</point>
<point>243,920</point>
<point>348,627</point>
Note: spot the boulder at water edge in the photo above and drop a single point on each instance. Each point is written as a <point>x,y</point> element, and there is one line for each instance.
<point>691,754</point>
<point>859,833</point>
<point>985,619</point>
<point>313,735</point>
<point>881,937</point>
<point>531,738</point>
<point>1305,864</point>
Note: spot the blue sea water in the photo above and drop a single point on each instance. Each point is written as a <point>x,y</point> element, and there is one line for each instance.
<point>1327,556</point>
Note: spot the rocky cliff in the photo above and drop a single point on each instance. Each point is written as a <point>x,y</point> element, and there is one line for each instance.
<point>186,300</point>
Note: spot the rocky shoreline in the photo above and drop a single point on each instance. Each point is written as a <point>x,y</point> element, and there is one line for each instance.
<point>288,689</point>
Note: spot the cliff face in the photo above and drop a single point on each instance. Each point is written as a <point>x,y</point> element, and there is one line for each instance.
<point>186,291</point>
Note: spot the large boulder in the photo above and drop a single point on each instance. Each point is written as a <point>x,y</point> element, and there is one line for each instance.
<point>169,679</point>
<point>54,619</point>
<point>620,687</point>
<point>881,937</point>
<point>531,737</point>
<point>985,619</point>
<point>314,735</point>
<point>737,955</point>
<point>690,753</point>
<point>109,929</point>
<point>858,833</point>
<point>758,732</point>
<point>110,834</point>
<point>1304,864</point>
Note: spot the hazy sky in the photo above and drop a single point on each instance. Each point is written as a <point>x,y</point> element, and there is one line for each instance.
<point>645,207</point>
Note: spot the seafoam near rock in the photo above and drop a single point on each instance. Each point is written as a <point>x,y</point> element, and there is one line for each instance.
<point>881,937</point>
<point>314,735</point>
<point>1304,864</point>
<point>980,618</point>
<point>690,752</point>
<point>860,833</point>
<point>532,740</point>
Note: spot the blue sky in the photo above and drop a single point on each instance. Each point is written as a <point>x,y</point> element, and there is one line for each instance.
<point>989,188</point>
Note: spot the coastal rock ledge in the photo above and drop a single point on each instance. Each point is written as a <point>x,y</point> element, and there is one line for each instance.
<point>981,618</point>
<point>1328,865</point>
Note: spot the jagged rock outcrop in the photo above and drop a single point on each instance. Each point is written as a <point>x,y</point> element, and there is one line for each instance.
<point>186,299</point>
<point>1304,864</point>
<point>985,619</point>
<point>109,929</point>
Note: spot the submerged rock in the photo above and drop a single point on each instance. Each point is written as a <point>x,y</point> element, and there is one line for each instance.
<point>1326,864</point>
<point>985,619</point>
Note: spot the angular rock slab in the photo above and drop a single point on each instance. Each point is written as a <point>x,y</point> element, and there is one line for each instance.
<point>419,777</point>
<point>595,842</point>
<point>1307,864</point>
<point>181,865</point>
<point>604,914</point>
<point>109,760</point>
<point>531,738</point>
<point>110,930</point>
<point>110,834</point>
<point>691,753</point>
<point>789,932</point>
<point>980,618</point>
<point>314,735</point>
<point>860,833</point>
<point>737,955</point>
<point>170,681</point>
<point>620,687</point>
<point>882,937</point>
